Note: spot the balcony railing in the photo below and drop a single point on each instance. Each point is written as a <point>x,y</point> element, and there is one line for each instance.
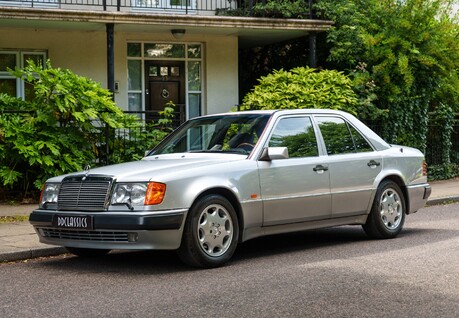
<point>218,7</point>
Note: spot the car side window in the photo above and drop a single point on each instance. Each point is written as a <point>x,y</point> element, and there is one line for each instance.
<point>341,138</point>
<point>361,144</point>
<point>297,134</point>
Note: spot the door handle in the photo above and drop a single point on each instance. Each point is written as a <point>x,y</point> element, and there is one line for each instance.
<point>373,163</point>
<point>320,168</point>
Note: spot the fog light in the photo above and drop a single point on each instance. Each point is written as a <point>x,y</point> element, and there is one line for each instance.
<point>132,237</point>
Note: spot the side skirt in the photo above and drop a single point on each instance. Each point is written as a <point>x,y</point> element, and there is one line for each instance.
<point>296,227</point>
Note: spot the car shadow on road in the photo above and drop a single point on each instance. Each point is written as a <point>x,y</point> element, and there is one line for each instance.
<point>317,245</point>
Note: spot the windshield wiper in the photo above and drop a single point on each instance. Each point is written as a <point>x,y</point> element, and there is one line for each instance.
<point>236,151</point>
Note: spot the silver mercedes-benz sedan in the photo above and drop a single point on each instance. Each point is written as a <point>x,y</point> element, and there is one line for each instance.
<point>223,179</point>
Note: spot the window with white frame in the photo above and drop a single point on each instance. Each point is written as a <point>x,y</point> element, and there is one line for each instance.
<point>11,59</point>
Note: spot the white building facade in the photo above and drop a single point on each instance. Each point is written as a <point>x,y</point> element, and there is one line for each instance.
<point>147,53</point>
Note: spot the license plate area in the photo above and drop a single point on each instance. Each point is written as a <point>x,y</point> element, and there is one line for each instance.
<point>84,222</point>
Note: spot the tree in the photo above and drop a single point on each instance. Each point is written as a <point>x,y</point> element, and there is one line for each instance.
<point>410,52</point>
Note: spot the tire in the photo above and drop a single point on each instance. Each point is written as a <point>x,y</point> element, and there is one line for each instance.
<point>211,233</point>
<point>388,212</point>
<point>87,252</point>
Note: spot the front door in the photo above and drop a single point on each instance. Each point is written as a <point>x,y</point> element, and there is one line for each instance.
<point>296,189</point>
<point>165,82</point>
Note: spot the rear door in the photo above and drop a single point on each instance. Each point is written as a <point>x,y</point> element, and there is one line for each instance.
<point>296,189</point>
<point>353,164</point>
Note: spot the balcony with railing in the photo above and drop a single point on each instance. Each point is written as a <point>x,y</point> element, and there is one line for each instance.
<point>254,8</point>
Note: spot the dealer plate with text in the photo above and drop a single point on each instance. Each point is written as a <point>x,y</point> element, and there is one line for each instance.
<point>83,222</point>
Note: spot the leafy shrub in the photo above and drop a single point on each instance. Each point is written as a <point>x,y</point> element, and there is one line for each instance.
<point>57,131</point>
<point>284,9</point>
<point>303,87</point>
<point>281,9</point>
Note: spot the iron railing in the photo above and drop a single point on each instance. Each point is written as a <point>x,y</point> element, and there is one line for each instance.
<point>131,142</point>
<point>225,7</point>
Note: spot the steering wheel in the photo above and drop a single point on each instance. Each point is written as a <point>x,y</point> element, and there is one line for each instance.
<point>247,144</point>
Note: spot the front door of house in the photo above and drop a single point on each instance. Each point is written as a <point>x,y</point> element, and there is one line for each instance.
<point>165,82</point>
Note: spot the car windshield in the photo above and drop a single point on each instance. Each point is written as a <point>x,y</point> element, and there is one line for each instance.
<point>236,133</point>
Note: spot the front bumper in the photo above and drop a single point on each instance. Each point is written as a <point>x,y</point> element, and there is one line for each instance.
<point>113,230</point>
<point>417,196</point>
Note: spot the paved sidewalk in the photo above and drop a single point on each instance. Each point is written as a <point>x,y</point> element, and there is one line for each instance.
<point>18,240</point>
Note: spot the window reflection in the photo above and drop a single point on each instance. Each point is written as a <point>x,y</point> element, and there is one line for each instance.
<point>338,137</point>
<point>7,61</point>
<point>194,76</point>
<point>164,50</point>
<point>297,134</point>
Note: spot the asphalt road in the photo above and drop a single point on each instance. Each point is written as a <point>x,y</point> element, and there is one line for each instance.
<point>324,273</point>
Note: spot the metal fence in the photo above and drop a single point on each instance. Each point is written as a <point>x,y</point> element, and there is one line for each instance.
<point>131,142</point>
<point>178,6</point>
<point>434,153</point>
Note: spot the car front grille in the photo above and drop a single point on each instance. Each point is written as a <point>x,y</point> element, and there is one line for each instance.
<point>84,193</point>
<point>97,236</point>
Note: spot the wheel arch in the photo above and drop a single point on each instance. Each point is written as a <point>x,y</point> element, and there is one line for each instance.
<point>233,200</point>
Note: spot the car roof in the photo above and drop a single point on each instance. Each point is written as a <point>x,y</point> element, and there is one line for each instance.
<point>281,112</point>
<point>376,140</point>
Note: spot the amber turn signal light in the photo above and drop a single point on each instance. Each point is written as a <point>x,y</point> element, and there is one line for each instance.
<point>155,193</point>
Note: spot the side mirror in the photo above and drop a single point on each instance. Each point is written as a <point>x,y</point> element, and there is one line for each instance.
<point>147,153</point>
<point>274,153</point>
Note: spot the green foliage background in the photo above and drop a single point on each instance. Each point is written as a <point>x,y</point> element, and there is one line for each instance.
<point>402,58</point>
<point>57,131</point>
<point>410,52</point>
<point>303,87</point>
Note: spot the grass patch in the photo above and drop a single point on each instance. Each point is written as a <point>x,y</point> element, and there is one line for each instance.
<point>12,219</point>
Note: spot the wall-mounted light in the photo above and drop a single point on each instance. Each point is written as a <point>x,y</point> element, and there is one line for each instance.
<point>178,33</point>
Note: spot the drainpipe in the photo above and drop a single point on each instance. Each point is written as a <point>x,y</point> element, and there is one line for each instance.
<point>312,49</point>
<point>110,79</point>
<point>312,40</point>
<point>110,59</point>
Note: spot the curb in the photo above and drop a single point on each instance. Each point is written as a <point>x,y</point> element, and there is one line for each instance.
<point>31,253</point>
<point>442,200</point>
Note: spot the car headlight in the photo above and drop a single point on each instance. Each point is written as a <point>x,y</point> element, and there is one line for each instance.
<point>137,194</point>
<point>49,195</point>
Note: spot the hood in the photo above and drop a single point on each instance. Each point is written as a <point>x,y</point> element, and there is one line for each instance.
<point>154,167</point>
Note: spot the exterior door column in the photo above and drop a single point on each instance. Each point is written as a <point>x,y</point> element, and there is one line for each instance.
<point>111,59</point>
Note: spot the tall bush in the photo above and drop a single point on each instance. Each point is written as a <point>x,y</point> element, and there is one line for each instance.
<point>304,87</point>
<point>56,131</point>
